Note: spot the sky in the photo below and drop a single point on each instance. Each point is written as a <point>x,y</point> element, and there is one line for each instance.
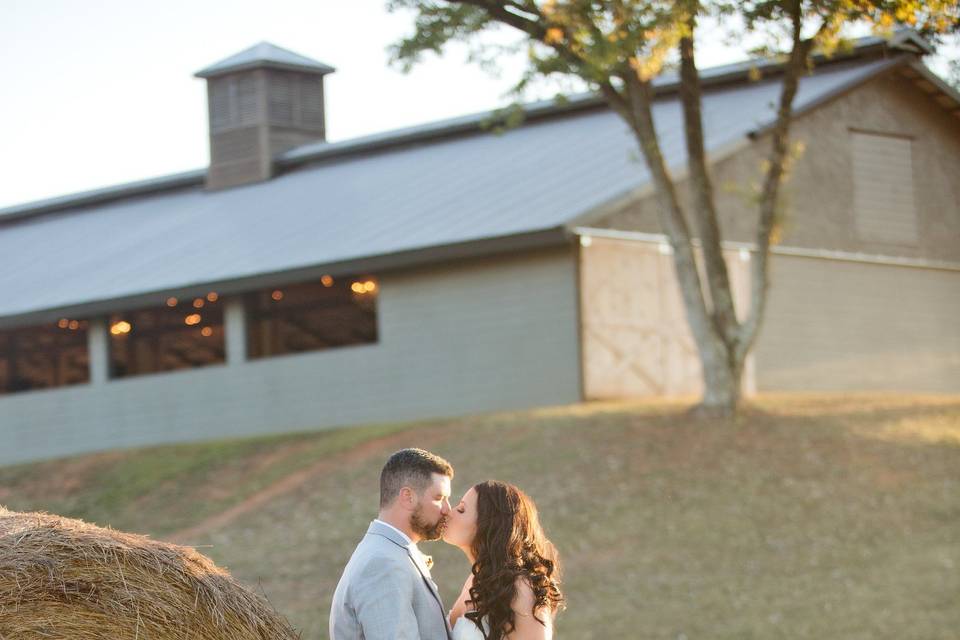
<point>102,93</point>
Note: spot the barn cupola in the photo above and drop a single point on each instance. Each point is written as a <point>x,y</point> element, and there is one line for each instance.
<point>261,102</point>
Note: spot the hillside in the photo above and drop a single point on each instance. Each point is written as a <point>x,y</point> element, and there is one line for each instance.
<point>810,517</point>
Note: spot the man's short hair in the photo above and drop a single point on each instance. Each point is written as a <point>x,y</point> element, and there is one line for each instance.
<point>410,468</point>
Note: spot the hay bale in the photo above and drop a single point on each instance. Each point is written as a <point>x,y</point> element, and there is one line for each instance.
<point>64,578</point>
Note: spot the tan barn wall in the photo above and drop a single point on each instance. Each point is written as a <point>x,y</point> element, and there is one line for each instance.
<point>820,194</point>
<point>635,335</point>
<point>834,325</point>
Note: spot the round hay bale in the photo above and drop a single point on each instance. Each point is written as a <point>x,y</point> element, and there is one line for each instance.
<point>64,578</point>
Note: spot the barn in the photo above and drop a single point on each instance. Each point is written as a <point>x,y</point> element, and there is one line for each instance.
<point>444,270</point>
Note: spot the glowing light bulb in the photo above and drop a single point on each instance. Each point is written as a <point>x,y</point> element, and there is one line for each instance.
<point>120,328</point>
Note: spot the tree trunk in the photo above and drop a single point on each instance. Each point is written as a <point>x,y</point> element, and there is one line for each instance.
<point>723,382</point>
<point>721,372</point>
<point>722,341</point>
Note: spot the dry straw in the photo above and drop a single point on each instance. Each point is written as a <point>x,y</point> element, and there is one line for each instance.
<point>62,578</point>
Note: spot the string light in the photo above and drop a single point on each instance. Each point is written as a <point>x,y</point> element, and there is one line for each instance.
<point>213,296</point>
<point>192,319</point>
<point>206,332</point>
<point>198,303</point>
<point>120,328</point>
<point>171,302</point>
<point>277,295</point>
<point>327,281</point>
<point>363,287</point>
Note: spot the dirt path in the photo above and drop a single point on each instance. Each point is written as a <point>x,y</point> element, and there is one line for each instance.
<point>430,437</point>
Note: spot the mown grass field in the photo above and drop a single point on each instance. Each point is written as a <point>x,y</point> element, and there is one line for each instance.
<point>808,517</point>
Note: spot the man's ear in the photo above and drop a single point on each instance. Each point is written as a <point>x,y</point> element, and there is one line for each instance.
<point>407,497</point>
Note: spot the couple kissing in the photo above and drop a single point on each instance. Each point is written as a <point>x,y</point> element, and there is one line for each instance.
<point>386,591</point>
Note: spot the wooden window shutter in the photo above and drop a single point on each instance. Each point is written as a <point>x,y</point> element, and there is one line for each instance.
<point>883,194</point>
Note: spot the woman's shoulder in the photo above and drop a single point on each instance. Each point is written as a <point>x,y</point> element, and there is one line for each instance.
<point>525,600</point>
<point>524,590</point>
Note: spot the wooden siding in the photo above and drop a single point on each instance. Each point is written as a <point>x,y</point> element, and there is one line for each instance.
<point>636,340</point>
<point>835,325</point>
<point>255,115</point>
<point>883,199</point>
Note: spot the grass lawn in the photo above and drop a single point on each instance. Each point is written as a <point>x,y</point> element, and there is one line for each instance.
<point>809,517</point>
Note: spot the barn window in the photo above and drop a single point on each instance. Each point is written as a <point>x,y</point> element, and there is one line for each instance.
<point>329,313</point>
<point>44,356</point>
<point>883,197</point>
<point>181,334</point>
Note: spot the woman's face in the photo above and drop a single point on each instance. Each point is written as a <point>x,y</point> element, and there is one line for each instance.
<point>462,522</point>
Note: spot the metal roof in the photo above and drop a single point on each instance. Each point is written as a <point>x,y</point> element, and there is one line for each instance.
<point>264,54</point>
<point>665,84</point>
<point>357,204</point>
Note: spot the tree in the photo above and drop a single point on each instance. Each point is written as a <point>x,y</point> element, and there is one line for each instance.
<point>952,64</point>
<point>617,47</point>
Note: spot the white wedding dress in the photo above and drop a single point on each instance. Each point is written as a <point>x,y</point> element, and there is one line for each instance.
<point>464,629</point>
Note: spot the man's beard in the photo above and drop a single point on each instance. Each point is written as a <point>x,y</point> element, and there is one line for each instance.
<point>424,528</point>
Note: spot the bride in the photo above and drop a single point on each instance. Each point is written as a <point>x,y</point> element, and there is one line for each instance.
<point>512,591</point>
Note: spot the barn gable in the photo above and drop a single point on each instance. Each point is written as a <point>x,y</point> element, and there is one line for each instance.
<point>890,130</point>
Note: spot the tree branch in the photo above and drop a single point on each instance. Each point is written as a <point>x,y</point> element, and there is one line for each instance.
<point>639,99</point>
<point>760,276</point>
<point>498,11</point>
<point>705,214</point>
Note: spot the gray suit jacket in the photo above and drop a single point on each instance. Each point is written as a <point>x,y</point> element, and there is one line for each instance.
<point>386,593</point>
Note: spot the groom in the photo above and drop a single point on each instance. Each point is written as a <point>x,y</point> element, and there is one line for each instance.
<point>386,592</point>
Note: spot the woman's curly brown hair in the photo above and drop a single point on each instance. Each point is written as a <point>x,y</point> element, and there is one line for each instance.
<point>510,544</point>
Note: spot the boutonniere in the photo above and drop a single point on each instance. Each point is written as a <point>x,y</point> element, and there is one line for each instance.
<point>428,560</point>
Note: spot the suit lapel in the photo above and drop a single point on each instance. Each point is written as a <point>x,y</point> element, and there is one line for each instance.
<point>417,559</point>
<point>424,571</point>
